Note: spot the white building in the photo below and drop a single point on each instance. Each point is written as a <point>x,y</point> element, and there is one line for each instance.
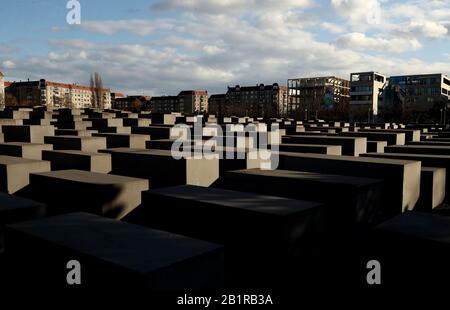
<point>2,90</point>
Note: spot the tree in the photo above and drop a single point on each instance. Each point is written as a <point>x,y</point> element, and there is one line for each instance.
<point>96,84</point>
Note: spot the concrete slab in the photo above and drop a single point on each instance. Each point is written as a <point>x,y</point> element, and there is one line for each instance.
<point>124,140</point>
<point>440,161</point>
<point>87,161</point>
<point>75,132</point>
<point>87,144</point>
<point>411,135</point>
<point>311,148</point>
<point>419,149</point>
<point>15,172</point>
<point>402,177</point>
<point>432,188</point>
<point>112,254</point>
<point>392,138</point>
<point>349,202</point>
<point>376,146</point>
<point>27,133</point>
<point>352,146</point>
<point>24,150</point>
<point>103,194</point>
<point>162,169</point>
<point>270,233</point>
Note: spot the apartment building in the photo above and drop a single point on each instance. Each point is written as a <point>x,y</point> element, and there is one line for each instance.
<point>188,102</point>
<point>52,94</point>
<point>416,98</point>
<point>254,101</point>
<point>365,92</point>
<point>326,97</point>
<point>132,103</point>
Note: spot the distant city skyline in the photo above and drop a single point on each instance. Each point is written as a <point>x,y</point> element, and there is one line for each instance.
<point>164,46</point>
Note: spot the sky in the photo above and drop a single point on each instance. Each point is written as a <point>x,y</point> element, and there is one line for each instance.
<point>160,47</point>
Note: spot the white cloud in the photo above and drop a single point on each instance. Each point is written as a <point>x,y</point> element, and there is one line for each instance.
<point>137,26</point>
<point>9,64</point>
<point>361,41</point>
<point>227,6</point>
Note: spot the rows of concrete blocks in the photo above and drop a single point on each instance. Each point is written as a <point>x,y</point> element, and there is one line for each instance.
<point>80,187</point>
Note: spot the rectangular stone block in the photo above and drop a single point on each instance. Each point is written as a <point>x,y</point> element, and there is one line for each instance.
<point>402,177</point>
<point>432,188</point>
<point>112,254</point>
<point>27,133</point>
<point>311,148</point>
<point>162,169</point>
<point>75,132</point>
<point>86,144</point>
<point>419,149</point>
<point>15,172</point>
<point>136,122</point>
<point>68,191</point>
<point>24,150</point>
<point>119,130</point>
<point>98,123</point>
<point>413,249</point>
<point>259,232</point>
<point>156,132</point>
<point>15,209</point>
<point>439,161</point>
<point>350,145</point>
<point>410,134</point>
<point>124,140</point>
<point>392,138</point>
<point>376,146</point>
<point>349,201</point>
<point>79,160</point>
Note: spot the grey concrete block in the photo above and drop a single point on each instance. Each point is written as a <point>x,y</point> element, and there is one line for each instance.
<point>24,150</point>
<point>87,144</point>
<point>124,140</point>
<point>112,254</point>
<point>79,160</point>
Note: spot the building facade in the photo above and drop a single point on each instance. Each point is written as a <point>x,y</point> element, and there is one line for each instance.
<point>132,103</point>
<point>366,90</point>
<point>2,90</point>
<point>188,102</point>
<point>254,101</point>
<point>416,98</point>
<point>326,97</point>
<point>51,94</point>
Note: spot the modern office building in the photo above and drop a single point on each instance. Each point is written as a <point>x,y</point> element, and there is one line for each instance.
<point>52,94</point>
<point>416,98</point>
<point>188,102</point>
<point>366,88</point>
<point>326,97</point>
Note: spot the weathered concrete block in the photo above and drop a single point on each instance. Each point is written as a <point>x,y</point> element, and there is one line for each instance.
<point>79,160</point>
<point>15,172</point>
<point>392,138</point>
<point>119,130</point>
<point>432,188</point>
<point>124,140</point>
<point>156,132</point>
<point>413,249</point>
<point>75,132</point>
<point>17,209</point>
<point>440,161</point>
<point>104,194</point>
<point>419,149</point>
<point>402,177</point>
<point>24,150</point>
<point>87,144</point>
<point>136,122</point>
<point>267,233</point>
<point>410,134</point>
<point>111,253</point>
<point>350,145</point>
<point>311,148</point>
<point>376,146</point>
<point>350,201</point>
<point>163,169</point>
<point>27,133</point>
